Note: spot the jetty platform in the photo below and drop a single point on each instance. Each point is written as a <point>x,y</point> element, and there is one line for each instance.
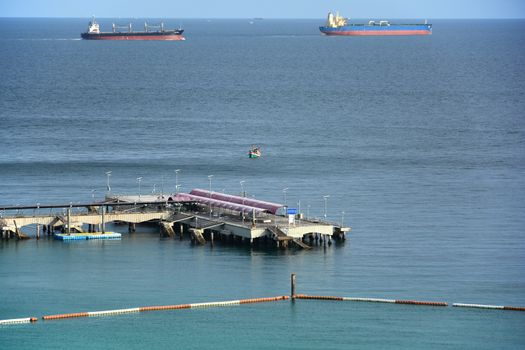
<point>201,215</point>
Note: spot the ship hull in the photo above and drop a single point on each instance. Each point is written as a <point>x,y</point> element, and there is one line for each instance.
<point>369,30</point>
<point>173,36</point>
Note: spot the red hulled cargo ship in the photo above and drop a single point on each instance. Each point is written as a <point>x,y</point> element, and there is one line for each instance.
<point>338,25</point>
<point>158,32</point>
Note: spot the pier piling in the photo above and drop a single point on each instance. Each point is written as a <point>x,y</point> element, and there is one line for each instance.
<point>103,222</point>
<point>292,286</point>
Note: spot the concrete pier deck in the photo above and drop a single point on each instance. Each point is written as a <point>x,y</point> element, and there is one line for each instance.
<point>203,215</point>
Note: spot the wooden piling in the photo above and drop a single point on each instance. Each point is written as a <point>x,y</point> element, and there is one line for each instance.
<point>292,286</point>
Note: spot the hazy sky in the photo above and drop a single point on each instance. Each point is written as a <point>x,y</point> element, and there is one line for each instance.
<point>265,8</point>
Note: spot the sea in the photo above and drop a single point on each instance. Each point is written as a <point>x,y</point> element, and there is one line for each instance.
<point>419,142</point>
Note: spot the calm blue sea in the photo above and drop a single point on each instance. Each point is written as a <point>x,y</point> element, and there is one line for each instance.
<point>420,141</point>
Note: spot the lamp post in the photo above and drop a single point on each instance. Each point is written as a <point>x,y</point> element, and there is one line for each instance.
<point>299,210</point>
<point>139,179</point>
<point>242,194</point>
<point>176,180</point>
<point>108,174</point>
<point>325,204</point>
<point>242,188</point>
<point>209,178</point>
<point>285,206</point>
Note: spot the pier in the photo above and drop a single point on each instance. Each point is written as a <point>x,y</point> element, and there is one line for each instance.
<point>203,216</point>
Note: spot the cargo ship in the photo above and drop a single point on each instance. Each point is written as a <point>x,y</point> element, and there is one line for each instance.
<point>151,32</point>
<point>337,25</point>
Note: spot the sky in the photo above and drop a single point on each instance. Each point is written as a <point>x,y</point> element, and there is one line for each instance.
<point>264,8</point>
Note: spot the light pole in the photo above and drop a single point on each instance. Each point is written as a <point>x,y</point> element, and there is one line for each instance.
<point>93,195</point>
<point>285,206</point>
<point>108,174</point>
<point>176,180</point>
<point>242,194</point>
<point>325,204</point>
<point>209,178</point>
<point>139,179</point>
<point>242,189</point>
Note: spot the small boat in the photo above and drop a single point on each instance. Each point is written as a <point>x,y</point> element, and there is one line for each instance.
<point>255,152</point>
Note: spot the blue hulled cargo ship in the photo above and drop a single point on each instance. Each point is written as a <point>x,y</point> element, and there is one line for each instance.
<point>338,25</point>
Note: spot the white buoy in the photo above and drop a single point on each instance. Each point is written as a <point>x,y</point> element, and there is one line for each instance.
<point>113,312</point>
<point>479,306</point>
<point>18,320</point>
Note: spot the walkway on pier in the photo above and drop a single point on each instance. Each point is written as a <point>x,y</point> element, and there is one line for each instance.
<point>200,212</point>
